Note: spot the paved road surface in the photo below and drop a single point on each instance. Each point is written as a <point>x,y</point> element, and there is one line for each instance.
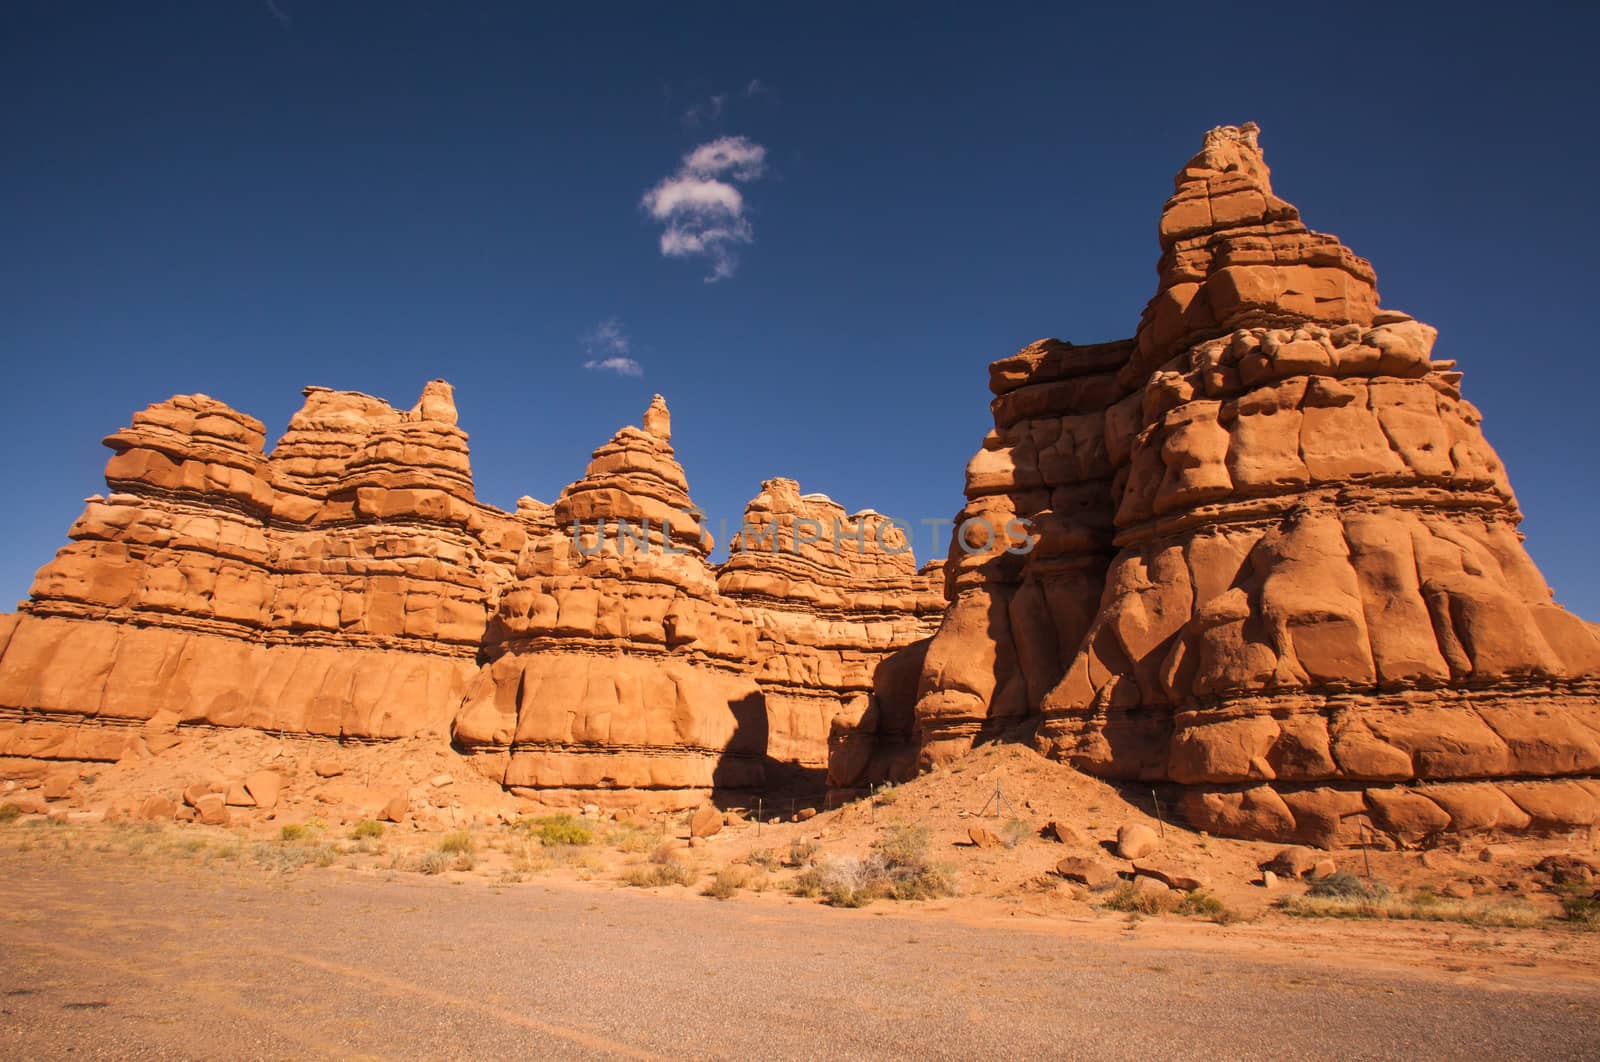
<point>121,961</point>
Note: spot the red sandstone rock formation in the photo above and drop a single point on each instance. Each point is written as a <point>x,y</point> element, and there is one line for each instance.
<point>350,585</point>
<point>842,617</point>
<point>337,588</point>
<point>1317,613</point>
<point>612,662</point>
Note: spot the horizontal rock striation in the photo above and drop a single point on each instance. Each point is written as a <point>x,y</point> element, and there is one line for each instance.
<point>351,586</point>
<point>842,616</point>
<point>1317,617</point>
<point>337,588</point>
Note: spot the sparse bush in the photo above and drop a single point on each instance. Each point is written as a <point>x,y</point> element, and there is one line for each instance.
<point>671,872</point>
<point>561,828</point>
<point>457,842</point>
<point>1581,911</point>
<point>1419,906</point>
<point>765,858</point>
<point>801,852</point>
<point>631,838</point>
<point>464,861</point>
<point>1125,897</point>
<point>1199,904</point>
<point>285,859</point>
<point>1015,831</point>
<point>665,852</point>
<point>9,813</point>
<point>1343,885</point>
<point>897,868</point>
<point>432,863</point>
<point>293,832</point>
<point>903,844</point>
<point>367,829</point>
<point>886,795</point>
<point>727,882</point>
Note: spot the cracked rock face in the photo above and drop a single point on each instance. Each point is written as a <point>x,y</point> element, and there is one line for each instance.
<point>1277,562</point>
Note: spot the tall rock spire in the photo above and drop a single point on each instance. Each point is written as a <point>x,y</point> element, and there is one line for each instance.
<point>1317,613</point>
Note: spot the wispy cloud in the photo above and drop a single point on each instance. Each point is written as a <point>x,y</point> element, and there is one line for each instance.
<point>703,212</point>
<point>755,88</point>
<point>606,350</point>
<point>706,112</point>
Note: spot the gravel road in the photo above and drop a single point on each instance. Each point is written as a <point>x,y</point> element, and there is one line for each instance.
<point>124,961</point>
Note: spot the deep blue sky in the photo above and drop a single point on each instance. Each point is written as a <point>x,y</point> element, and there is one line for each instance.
<point>242,198</point>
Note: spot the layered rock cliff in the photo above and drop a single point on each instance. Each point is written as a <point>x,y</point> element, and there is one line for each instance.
<point>1316,616</point>
<point>350,586</point>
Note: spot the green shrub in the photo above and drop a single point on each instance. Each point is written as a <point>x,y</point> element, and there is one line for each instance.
<point>293,831</point>
<point>903,844</point>
<point>9,813</point>
<point>1200,904</point>
<point>886,795</point>
<point>561,828</point>
<point>457,842</point>
<point>1126,897</point>
<point>367,829</point>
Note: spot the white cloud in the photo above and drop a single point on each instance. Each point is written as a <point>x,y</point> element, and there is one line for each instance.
<point>607,349</point>
<point>620,366</point>
<point>689,194</point>
<point>741,158</point>
<point>704,214</point>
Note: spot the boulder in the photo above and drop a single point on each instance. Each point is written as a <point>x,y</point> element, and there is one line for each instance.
<point>395,809</point>
<point>156,809</point>
<point>1135,840</point>
<point>1061,833</point>
<point>707,822</point>
<point>1292,862</point>
<point>212,810</point>
<point>264,788</point>
<point>1086,870</point>
<point>983,837</point>
<point>1185,878</point>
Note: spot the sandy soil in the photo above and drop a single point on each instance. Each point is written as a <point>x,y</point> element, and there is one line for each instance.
<point>310,930</point>
<point>159,959</point>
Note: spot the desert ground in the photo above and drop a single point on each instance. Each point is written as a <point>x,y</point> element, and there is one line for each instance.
<point>310,930</point>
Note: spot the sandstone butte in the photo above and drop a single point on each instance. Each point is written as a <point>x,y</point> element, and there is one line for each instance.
<point>350,587</point>
<point>1275,575</point>
<point>1278,572</point>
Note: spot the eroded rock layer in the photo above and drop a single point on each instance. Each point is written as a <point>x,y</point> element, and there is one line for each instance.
<point>1316,614</point>
<point>842,617</point>
<point>351,586</point>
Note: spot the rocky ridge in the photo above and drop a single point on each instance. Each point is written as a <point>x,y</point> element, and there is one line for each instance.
<point>350,586</point>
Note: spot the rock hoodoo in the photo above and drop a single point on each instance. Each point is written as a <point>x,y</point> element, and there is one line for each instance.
<point>350,586</point>
<point>1277,565</point>
<point>1261,556</point>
